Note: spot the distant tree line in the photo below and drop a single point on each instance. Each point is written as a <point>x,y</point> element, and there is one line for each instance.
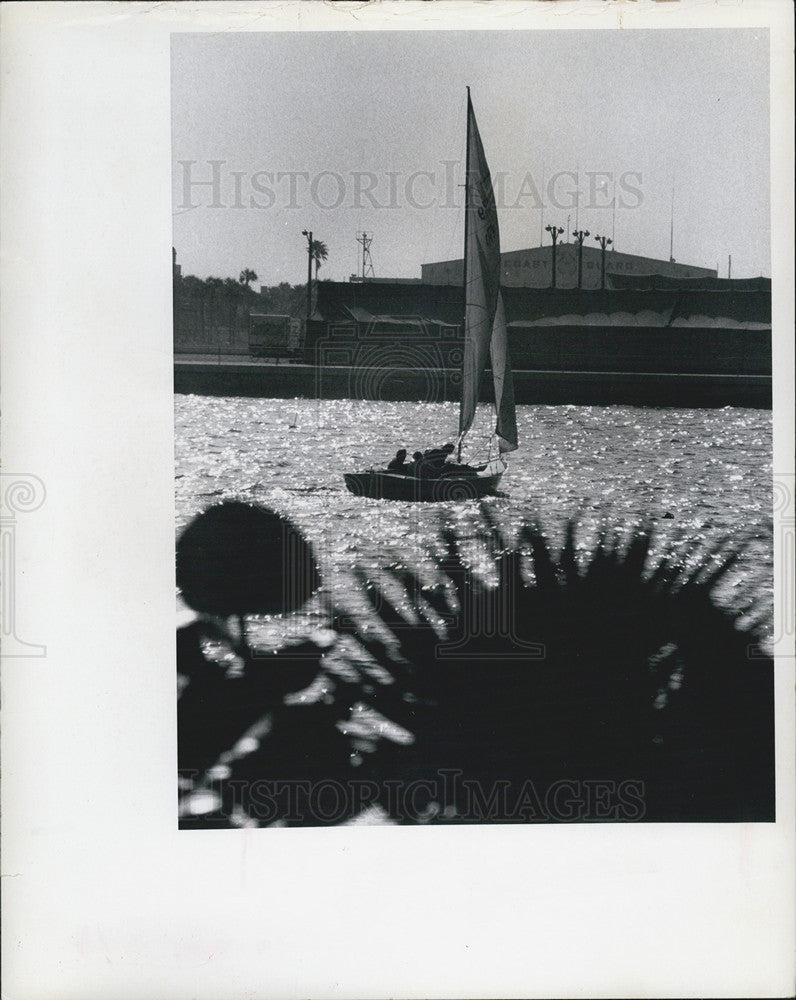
<point>217,309</point>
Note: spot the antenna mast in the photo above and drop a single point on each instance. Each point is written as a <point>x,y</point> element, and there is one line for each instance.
<point>671,231</point>
<point>613,219</point>
<point>364,240</point>
<point>541,210</point>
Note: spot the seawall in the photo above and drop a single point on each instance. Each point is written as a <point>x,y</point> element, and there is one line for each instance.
<point>237,377</point>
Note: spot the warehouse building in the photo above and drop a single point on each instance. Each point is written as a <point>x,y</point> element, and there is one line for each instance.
<point>634,342</point>
<point>533,268</point>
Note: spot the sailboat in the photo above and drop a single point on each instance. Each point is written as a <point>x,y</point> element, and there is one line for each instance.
<point>485,338</point>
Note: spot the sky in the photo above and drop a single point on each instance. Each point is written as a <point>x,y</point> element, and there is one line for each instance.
<point>340,133</point>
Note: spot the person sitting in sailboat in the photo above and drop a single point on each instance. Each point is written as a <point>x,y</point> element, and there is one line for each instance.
<point>452,467</point>
<point>435,458</point>
<point>437,462</point>
<point>398,464</point>
<point>442,462</point>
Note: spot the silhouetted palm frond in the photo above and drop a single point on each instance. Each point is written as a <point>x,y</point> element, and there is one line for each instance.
<point>615,668</point>
<point>593,682</point>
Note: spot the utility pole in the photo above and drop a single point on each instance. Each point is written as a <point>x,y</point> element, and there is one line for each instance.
<point>554,234</point>
<point>580,235</point>
<point>304,232</point>
<point>604,242</point>
<point>729,267</point>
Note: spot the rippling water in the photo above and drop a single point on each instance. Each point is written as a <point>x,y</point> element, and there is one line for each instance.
<point>698,474</point>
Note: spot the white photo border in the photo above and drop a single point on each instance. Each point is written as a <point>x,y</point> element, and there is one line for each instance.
<point>104,897</point>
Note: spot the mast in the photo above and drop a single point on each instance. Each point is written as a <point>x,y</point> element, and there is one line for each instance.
<point>464,259</point>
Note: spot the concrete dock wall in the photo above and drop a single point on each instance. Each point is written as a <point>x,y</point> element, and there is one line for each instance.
<point>383,382</point>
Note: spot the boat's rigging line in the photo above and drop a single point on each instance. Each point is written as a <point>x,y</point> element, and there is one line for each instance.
<point>485,343</point>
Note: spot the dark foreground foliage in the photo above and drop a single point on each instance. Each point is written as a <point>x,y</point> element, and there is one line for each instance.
<point>607,689</point>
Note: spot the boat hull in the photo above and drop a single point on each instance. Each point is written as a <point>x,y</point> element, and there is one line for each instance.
<point>395,486</point>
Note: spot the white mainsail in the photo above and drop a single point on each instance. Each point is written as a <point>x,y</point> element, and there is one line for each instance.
<point>484,317</point>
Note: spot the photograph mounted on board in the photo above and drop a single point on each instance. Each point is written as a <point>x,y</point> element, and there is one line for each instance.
<point>473,427</point>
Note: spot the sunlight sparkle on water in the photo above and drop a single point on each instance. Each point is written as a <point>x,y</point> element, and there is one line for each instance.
<point>696,474</point>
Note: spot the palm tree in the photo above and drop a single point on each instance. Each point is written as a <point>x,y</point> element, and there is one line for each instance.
<point>616,669</point>
<point>620,666</point>
<point>247,276</point>
<point>319,252</point>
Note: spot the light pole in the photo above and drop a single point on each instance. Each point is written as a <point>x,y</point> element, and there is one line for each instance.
<point>554,234</point>
<point>304,232</point>
<point>580,235</point>
<point>604,242</point>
